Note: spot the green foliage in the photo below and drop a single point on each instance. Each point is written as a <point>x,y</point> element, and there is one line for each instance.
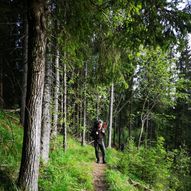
<point>183,85</point>
<point>181,170</point>
<point>153,81</point>
<point>118,181</point>
<point>68,171</point>
<point>156,167</point>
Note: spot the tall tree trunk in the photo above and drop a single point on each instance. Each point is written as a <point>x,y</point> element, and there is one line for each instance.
<point>129,111</point>
<point>84,112</point>
<point>119,129</point>
<point>97,106</point>
<point>81,116</point>
<point>146,132</point>
<point>129,119</point>
<point>29,169</point>
<point>141,133</point>
<point>77,119</point>
<point>111,114</point>
<point>114,131</point>
<point>25,70</point>
<point>65,109</point>
<point>1,83</point>
<point>46,116</point>
<point>61,105</point>
<point>56,94</point>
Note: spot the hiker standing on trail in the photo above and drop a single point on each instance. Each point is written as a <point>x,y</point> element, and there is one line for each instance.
<point>98,134</point>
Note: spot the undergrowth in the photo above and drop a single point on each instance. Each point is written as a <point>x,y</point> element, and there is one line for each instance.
<point>134,169</point>
<point>11,135</point>
<point>151,168</point>
<point>71,170</point>
<point>116,180</point>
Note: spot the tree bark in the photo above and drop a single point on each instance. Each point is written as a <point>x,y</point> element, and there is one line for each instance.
<point>56,94</point>
<point>129,119</point>
<point>25,70</point>
<point>61,105</point>
<point>146,132</point>
<point>119,130</point>
<point>65,109</point>
<point>84,113</point>
<point>97,106</point>
<point>29,169</point>
<point>114,131</point>
<point>111,114</point>
<point>1,83</point>
<point>46,116</point>
<point>141,133</point>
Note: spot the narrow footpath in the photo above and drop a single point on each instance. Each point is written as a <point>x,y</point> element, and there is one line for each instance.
<point>99,179</point>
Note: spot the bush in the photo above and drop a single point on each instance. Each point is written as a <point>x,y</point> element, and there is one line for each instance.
<point>118,181</point>
<point>181,170</point>
<point>157,168</point>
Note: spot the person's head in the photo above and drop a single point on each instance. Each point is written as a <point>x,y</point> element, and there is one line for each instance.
<point>100,123</point>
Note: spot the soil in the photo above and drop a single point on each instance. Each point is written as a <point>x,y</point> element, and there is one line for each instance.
<point>99,177</point>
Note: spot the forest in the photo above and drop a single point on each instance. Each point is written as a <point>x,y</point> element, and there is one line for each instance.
<point>65,64</point>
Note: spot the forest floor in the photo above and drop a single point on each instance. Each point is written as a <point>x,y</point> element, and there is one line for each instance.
<point>99,177</point>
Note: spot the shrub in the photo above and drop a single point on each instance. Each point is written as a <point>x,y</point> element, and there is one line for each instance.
<point>180,170</point>
<point>150,165</point>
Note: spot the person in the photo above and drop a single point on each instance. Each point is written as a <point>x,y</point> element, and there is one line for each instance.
<point>98,134</point>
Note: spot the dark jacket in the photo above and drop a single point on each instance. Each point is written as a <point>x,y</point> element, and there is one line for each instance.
<point>97,134</point>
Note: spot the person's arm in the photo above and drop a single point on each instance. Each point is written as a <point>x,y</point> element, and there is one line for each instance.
<point>103,131</point>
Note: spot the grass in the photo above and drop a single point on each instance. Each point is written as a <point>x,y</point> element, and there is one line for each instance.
<point>11,135</point>
<point>115,179</point>
<point>68,171</point>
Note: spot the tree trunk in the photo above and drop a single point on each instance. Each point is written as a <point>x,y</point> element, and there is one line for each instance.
<point>46,116</point>
<point>97,106</point>
<point>84,113</point>
<point>111,114</point>
<point>80,115</point>
<point>25,70</point>
<point>130,97</point>
<point>61,105</point>
<point>29,169</point>
<point>129,118</point>
<point>56,94</point>
<point>1,83</point>
<point>65,110</point>
<point>119,130</point>
<point>77,119</point>
<point>141,133</point>
<point>146,132</point>
<point>114,132</point>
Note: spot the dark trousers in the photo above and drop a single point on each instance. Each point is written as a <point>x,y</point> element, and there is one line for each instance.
<point>101,146</point>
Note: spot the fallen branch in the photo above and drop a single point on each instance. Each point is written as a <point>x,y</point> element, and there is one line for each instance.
<point>11,110</point>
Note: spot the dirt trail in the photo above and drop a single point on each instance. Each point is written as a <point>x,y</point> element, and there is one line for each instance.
<point>99,179</point>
